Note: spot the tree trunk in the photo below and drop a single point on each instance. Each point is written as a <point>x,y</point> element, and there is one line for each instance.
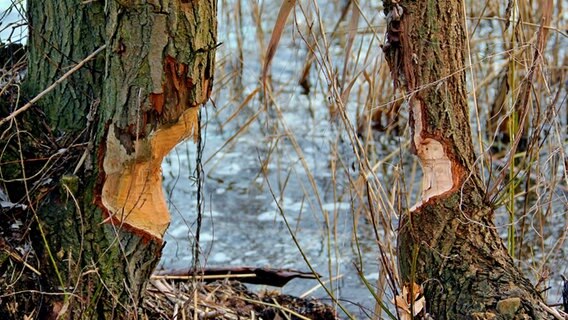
<point>447,242</point>
<point>98,139</point>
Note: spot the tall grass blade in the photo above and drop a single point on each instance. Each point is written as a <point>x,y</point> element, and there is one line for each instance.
<point>283,14</point>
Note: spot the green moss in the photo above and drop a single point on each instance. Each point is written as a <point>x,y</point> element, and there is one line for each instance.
<point>3,257</point>
<point>69,183</point>
<point>453,202</point>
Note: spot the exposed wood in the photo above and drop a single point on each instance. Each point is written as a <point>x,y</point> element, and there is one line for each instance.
<point>437,176</point>
<point>97,206</point>
<point>155,88</point>
<point>447,242</point>
<point>133,184</point>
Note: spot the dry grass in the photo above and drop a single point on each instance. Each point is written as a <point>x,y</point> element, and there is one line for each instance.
<point>327,127</point>
<point>516,77</point>
<point>226,300</point>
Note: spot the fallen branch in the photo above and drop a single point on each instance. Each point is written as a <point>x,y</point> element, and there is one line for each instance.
<point>253,275</point>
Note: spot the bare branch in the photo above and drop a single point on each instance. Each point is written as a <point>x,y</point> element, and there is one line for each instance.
<point>51,87</point>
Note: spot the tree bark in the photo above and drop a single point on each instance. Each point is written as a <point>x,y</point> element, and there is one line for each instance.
<point>448,242</point>
<point>97,202</point>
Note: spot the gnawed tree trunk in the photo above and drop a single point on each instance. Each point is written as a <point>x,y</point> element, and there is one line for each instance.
<point>106,129</point>
<point>448,242</point>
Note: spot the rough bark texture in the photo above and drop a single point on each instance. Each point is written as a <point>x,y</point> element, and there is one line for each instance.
<point>106,129</point>
<point>157,75</point>
<point>448,242</point>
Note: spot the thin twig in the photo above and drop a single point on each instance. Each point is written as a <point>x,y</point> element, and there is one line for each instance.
<point>51,87</point>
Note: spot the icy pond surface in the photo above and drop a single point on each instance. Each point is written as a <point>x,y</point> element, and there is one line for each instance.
<point>260,158</point>
<point>251,159</point>
<point>242,223</point>
<point>290,155</point>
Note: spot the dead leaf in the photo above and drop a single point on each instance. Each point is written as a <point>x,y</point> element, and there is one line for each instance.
<point>409,298</point>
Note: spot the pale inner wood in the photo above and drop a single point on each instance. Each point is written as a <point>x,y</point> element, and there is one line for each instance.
<point>436,166</point>
<point>132,192</point>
